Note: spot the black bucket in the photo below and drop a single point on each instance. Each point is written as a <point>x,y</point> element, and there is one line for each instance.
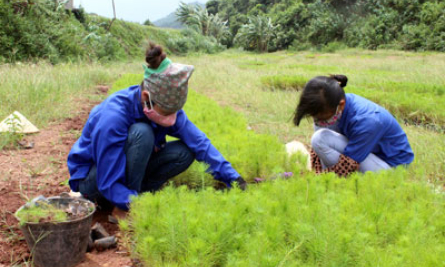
<point>59,244</point>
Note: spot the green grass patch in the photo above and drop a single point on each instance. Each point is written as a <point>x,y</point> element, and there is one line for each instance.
<point>366,220</point>
<point>284,82</point>
<point>410,103</point>
<point>252,64</point>
<point>317,68</point>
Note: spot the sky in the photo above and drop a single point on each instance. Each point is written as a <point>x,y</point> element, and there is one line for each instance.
<point>132,10</point>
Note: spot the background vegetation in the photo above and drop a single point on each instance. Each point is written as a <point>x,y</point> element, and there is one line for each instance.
<point>42,29</point>
<point>371,24</point>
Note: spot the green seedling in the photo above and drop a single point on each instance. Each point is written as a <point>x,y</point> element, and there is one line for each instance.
<point>41,212</point>
<point>305,221</point>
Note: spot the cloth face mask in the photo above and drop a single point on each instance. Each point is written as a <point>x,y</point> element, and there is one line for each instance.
<point>154,116</point>
<point>329,122</point>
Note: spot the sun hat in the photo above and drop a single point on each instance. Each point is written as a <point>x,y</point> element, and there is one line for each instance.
<point>168,84</point>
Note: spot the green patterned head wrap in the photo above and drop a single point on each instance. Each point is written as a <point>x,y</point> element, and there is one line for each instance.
<point>168,84</point>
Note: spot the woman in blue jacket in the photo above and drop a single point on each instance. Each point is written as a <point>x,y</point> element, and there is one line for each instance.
<point>351,132</point>
<point>123,151</point>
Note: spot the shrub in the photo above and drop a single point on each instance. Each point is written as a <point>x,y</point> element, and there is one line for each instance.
<point>333,47</point>
<point>191,41</point>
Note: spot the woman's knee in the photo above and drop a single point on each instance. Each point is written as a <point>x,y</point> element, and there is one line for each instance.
<point>186,156</point>
<point>141,134</point>
<point>319,139</point>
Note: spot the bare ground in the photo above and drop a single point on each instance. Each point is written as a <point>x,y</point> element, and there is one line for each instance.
<point>42,170</point>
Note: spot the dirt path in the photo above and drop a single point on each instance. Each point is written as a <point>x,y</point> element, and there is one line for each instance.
<point>26,173</point>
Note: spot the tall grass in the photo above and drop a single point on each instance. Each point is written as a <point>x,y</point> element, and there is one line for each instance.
<point>44,93</point>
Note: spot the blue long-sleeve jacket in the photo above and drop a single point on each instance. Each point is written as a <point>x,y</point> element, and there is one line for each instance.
<point>372,129</point>
<point>104,136</point>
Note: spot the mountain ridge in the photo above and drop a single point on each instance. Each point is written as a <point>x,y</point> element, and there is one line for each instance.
<point>171,21</point>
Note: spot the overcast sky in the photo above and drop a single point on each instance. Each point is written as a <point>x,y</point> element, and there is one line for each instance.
<point>132,10</point>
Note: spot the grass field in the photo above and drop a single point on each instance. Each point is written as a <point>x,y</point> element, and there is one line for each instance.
<point>388,219</point>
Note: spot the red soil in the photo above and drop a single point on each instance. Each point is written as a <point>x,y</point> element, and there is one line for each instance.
<point>41,170</point>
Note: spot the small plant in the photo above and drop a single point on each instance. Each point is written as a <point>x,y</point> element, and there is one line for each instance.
<point>41,213</point>
<point>13,135</point>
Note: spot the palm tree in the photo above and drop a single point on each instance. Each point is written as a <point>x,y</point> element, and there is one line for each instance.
<point>194,16</point>
<point>184,12</point>
<point>218,28</point>
<point>199,19</point>
<point>256,34</point>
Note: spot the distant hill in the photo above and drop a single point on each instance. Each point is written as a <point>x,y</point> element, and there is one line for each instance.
<point>170,21</point>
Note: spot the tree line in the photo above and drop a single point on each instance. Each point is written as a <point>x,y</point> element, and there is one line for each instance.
<point>300,24</point>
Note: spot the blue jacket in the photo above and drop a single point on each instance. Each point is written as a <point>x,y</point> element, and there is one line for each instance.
<point>104,136</point>
<point>372,129</point>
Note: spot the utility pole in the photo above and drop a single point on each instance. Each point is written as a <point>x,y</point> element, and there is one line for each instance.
<point>114,18</point>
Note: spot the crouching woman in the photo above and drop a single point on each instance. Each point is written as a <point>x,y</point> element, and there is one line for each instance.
<point>351,132</point>
<point>123,151</point>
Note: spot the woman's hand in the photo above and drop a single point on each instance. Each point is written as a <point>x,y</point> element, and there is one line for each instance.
<point>241,183</point>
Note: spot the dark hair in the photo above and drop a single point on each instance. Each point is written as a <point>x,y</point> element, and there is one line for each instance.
<point>320,94</point>
<point>154,55</point>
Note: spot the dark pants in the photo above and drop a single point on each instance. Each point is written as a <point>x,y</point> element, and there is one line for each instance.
<point>146,170</point>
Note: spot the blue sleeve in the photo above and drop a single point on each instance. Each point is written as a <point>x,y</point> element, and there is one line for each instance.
<point>108,148</point>
<point>366,133</point>
<point>204,151</point>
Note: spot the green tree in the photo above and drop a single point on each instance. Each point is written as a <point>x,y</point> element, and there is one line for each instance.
<point>257,34</point>
<point>185,11</point>
<point>219,29</point>
<point>212,7</point>
<point>199,19</point>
